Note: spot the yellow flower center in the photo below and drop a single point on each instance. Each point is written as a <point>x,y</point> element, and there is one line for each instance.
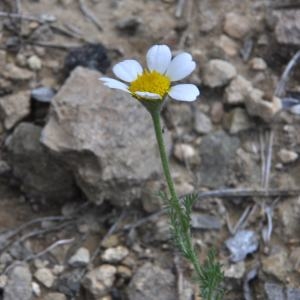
<point>151,82</point>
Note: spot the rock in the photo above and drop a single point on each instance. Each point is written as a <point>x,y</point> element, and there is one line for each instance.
<point>19,286</point>
<point>80,258</point>
<point>257,105</point>
<point>208,20</point>
<point>287,30</point>
<point>99,281</point>
<point>217,112</point>
<point>236,26</point>
<point>36,289</point>
<point>55,296</point>
<point>92,129</point>
<point>237,120</point>
<point>289,213</point>
<point>42,175</point>
<point>185,153</point>
<point>293,294</point>
<point>218,73</point>
<point>92,56</point>
<point>34,63</point>
<point>129,25</point>
<point>277,265</point>
<point>295,259</point>
<point>204,221</point>
<point>43,94</point>
<point>203,123</point>
<point>228,45</point>
<point>258,64</point>
<point>114,255</point>
<point>14,108</point>
<point>45,277</point>
<point>151,282</point>
<point>287,156</point>
<point>151,201</point>
<point>217,153</point>
<point>69,283</point>
<point>3,281</point>
<point>244,242</point>
<point>237,90</point>
<point>235,271</point>
<point>274,291</point>
<point>13,72</point>
<point>124,272</point>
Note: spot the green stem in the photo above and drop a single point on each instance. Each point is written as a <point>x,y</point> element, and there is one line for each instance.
<point>155,113</point>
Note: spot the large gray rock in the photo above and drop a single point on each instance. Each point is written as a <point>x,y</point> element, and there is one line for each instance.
<point>18,286</point>
<point>14,108</point>
<point>105,137</point>
<point>42,175</point>
<point>287,29</point>
<point>217,152</point>
<point>151,282</point>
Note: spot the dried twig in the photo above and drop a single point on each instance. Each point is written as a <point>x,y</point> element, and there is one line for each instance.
<point>179,8</point>
<point>242,193</point>
<point>280,89</point>
<point>50,248</point>
<point>21,17</point>
<point>89,14</point>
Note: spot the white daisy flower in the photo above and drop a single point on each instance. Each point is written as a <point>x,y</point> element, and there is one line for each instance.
<point>155,82</point>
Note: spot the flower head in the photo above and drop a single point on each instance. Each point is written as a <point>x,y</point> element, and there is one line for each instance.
<point>155,82</point>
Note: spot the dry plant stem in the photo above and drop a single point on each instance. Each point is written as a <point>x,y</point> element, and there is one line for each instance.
<point>174,200</point>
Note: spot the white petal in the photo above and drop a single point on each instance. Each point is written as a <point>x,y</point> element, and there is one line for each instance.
<point>114,84</point>
<point>181,66</point>
<point>128,70</point>
<point>184,92</point>
<point>159,58</point>
<point>148,95</point>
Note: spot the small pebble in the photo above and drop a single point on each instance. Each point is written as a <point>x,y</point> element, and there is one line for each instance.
<point>80,258</point>
<point>45,277</point>
<point>287,156</point>
<point>114,255</point>
<point>34,63</point>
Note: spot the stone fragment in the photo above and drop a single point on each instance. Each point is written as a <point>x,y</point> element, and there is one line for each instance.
<point>236,26</point>
<point>218,73</point>
<point>204,221</point>
<point>55,296</point>
<point>237,90</point>
<point>13,108</point>
<point>19,285</point>
<point>237,120</point>
<point>208,20</point>
<point>228,45</point>
<point>114,255</point>
<point>241,244</point>
<point>36,289</point>
<point>41,174</point>
<point>124,272</point>
<point>217,153</point>
<point>258,64</point>
<point>45,276</point>
<point>287,30</point>
<point>203,123</point>
<point>257,105</point>
<point>236,271</point>
<point>274,291</point>
<point>80,258</point>
<point>13,72</point>
<point>34,63</point>
<point>277,265</point>
<point>152,282</point>
<point>69,283</point>
<point>287,156</point>
<point>289,216</point>
<point>185,152</point>
<point>217,112</point>
<point>99,281</point>
<point>43,94</point>
<point>103,136</point>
